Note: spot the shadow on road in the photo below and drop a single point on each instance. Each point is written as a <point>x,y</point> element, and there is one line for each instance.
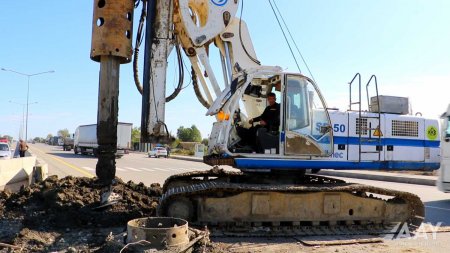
<point>71,155</point>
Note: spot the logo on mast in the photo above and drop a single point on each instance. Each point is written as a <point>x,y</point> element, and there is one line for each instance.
<point>219,2</point>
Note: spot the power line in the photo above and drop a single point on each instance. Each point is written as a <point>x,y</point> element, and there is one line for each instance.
<point>295,44</point>
<point>285,37</point>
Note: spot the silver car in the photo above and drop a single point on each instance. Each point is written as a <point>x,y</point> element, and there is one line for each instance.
<point>5,151</point>
<point>158,152</point>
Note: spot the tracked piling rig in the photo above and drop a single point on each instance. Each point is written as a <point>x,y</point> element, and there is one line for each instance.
<point>270,190</point>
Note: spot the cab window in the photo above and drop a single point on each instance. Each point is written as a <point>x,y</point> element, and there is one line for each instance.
<point>297,104</point>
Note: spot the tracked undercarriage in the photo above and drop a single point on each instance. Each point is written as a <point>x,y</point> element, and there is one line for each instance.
<point>236,203</point>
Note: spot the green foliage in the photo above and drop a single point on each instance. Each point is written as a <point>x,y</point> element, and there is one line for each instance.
<point>175,143</point>
<point>190,134</point>
<point>183,133</point>
<point>64,133</point>
<point>136,134</point>
<point>49,136</point>
<point>183,152</point>
<point>205,141</point>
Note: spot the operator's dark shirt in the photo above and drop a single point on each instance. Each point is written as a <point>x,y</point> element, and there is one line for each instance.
<point>271,116</point>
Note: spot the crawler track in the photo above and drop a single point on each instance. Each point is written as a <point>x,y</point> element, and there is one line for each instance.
<point>209,198</point>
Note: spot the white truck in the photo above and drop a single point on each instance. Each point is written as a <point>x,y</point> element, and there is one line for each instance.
<point>85,139</point>
<point>443,181</point>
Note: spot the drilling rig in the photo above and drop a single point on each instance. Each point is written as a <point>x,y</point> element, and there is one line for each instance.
<point>271,189</point>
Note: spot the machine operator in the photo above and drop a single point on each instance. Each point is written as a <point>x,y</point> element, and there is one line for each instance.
<point>270,118</point>
<point>269,122</point>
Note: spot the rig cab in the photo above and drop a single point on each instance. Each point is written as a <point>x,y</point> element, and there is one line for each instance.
<point>303,129</point>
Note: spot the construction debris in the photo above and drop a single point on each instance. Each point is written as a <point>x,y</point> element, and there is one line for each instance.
<point>58,214</point>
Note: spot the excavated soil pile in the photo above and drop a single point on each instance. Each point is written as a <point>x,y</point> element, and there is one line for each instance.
<point>58,214</point>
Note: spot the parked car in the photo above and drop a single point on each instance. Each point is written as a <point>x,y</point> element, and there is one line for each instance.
<point>158,152</point>
<point>5,151</point>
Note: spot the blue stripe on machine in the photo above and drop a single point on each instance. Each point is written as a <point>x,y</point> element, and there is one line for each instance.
<point>254,164</point>
<point>385,141</point>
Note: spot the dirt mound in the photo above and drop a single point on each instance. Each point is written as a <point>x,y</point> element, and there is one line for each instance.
<point>59,212</point>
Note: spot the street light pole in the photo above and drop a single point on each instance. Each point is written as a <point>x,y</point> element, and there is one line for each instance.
<point>22,126</point>
<point>28,91</point>
<point>23,116</point>
<point>28,96</point>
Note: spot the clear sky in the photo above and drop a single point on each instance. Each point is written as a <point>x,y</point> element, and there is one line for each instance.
<point>406,43</point>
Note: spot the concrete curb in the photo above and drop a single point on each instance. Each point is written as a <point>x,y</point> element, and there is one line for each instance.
<point>187,158</point>
<point>388,178</point>
<point>40,171</point>
<point>405,179</point>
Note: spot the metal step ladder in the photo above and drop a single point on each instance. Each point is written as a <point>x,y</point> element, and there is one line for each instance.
<point>370,139</point>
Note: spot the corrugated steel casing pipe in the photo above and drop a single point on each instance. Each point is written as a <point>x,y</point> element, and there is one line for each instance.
<point>112,29</point>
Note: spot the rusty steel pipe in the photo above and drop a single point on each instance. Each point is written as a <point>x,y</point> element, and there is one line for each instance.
<point>112,29</point>
<point>162,232</point>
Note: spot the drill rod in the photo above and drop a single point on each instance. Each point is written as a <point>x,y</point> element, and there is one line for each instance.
<point>107,119</point>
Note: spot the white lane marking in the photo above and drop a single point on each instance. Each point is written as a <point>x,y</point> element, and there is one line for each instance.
<point>146,169</point>
<point>132,169</point>
<point>161,169</point>
<point>439,208</point>
<point>120,169</point>
<point>88,168</point>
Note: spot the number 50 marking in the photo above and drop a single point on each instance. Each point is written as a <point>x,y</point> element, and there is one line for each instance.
<point>339,128</point>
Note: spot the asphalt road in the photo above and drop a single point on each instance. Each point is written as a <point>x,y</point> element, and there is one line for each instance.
<point>140,168</point>
<point>137,167</point>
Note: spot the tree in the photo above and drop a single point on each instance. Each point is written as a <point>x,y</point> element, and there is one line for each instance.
<point>191,134</point>
<point>64,133</point>
<point>196,135</point>
<point>49,136</point>
<point>205,142</point>
<point>136,134</point>
<point>175,143</point>
<point>183,133</point>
